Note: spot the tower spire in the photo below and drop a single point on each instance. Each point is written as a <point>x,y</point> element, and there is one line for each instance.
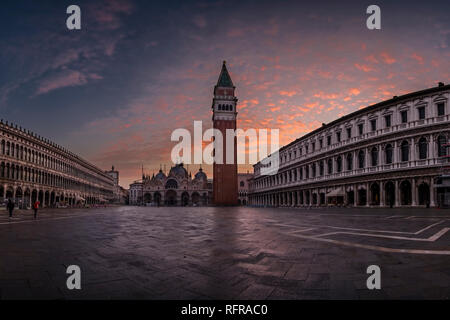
<point>224,77</point>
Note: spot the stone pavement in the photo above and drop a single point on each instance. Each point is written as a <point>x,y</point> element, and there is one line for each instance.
<point>225,253</point>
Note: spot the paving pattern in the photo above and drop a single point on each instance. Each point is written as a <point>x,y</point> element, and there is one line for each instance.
<point>225,253</point>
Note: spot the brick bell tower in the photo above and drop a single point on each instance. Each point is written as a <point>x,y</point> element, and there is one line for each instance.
<point>225,190</point>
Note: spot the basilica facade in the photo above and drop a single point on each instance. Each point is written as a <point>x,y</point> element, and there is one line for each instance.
<point>393,153</point>
<point>176,188</point>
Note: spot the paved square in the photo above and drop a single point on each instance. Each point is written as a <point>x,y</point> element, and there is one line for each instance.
<point>226,253</point>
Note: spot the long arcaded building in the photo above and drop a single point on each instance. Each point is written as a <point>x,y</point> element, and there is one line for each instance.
<point>393,153</point>
<point>33,168</point>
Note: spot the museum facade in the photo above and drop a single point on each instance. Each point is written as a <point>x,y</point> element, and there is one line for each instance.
<point>33,168</point>
<point>393,153</point>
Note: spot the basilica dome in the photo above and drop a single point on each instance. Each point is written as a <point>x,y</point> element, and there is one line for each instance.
<point>200,175</point>
<point>178,171</point>
<point>160,175</point>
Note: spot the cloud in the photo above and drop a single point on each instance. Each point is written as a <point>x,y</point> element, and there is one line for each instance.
<point>69,78</point>
<point>363,67</point>
<point>387,58</point>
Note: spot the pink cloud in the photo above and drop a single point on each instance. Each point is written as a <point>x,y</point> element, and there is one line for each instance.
<point>363,67</point>
<point>387,58</point>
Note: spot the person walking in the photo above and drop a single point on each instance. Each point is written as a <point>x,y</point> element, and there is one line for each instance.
<point>36,207</point>
<point>10,207</point>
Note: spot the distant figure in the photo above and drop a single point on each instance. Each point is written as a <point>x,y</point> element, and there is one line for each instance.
<point>10,207</point>
<point>36,207</point>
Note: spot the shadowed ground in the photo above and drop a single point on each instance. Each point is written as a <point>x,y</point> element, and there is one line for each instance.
<point>226,253</point>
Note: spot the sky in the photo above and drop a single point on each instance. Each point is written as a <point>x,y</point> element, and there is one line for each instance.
<point>114,91</point>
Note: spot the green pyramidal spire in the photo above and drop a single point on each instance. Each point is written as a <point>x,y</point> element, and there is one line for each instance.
<point>224,78</point>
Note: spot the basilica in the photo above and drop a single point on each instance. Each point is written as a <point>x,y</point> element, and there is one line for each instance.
<point>176,188</point>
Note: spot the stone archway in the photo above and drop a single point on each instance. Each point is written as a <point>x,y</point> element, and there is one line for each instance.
<point>157,198</point>
<point>19,197</point>
<point>171,198</point>
<point>405,193</point>
<point>362,196</point>
<point>424,194</point>
<point>147,198</point>
<point>350,197</point>
<point>41,197</point>
<point>389,193</point>
<point>185,199</point>
<point>195,199</point>
<point>375,194</point>
<point>26,198</point>
<point>9,193</point>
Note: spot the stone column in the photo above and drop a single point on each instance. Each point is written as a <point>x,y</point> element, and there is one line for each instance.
<point>413,192</point>
<point>368,195</point>
<point>355,195</point>
<point>397,194</point>
<point>382,194</point>
<point>432,193</point>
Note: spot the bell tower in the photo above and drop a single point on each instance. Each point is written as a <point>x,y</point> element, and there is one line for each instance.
<point>225,184</point>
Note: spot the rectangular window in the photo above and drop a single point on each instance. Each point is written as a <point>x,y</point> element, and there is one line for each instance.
<point>373,125</point>
<point>349,133</point>
<point>338,136</point>
<point>387,120</point>
<point>421,111</point>
<point>360,129</point>
<point>440,109</point>
<point>404,116</point>
<point>329,140</point>
<point>313,147</point>
<point>321,143</point>
<point>306,148</point>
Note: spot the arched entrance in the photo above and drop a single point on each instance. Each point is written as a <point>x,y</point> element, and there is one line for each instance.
<point>9,193</point>
<point>351,197</point>
<point>147,198</point>
<point>171,198</point>
<point>52,198</point>
<point>34,196</point>
<point>390,193</point>
<point>185,199</point>
<point>314,198</point>
<point>424,194</point>
<point>362,196</point>
<point>2,194</point>
<point>157,198</point>
<point>375,194</point>
<point>405,193</point>
<point>19,198</point>
<point>195,199</point>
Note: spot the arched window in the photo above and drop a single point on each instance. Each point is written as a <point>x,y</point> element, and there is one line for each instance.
<point>241,183</point>
<point>349,162</point>
<point>423,147</point>
<point>388,153</point>
<point>405,150</point>
<point>374,156</point>
<point>361,159</point>
<point>339,164</point>
<point>219,107</point>
<point>330,166</point>
<point>441,142</point>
